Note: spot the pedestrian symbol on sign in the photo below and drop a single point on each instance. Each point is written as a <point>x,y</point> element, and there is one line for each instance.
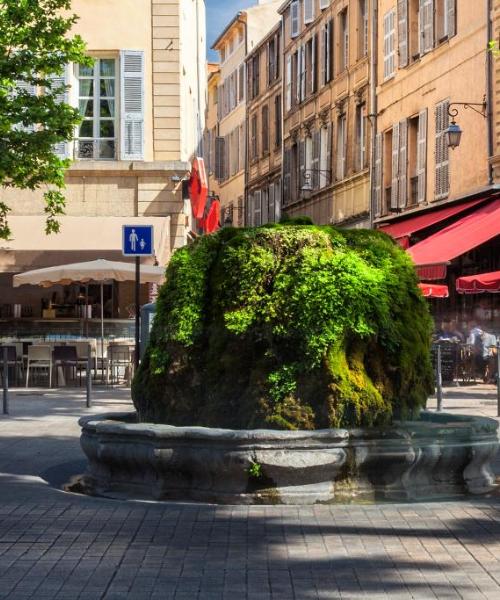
<point>138,240</point>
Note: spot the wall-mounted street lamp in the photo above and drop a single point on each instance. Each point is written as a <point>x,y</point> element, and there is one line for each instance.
<point>308,187</point>
<point>454,133</point>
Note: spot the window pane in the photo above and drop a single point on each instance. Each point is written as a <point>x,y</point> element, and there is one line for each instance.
<point>85,71</point>
<point>106,149</point>
<point>86,87</point>
<point>87,128</point>
<point>86,108</point>
<point>107,67</point>
<point>108,87</point>
<point>107,129</point>
<point>85,149</point>
<point>107,108</point>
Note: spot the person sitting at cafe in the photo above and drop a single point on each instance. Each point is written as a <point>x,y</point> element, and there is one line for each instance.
<point>448,332</point>
<point>484,348</point>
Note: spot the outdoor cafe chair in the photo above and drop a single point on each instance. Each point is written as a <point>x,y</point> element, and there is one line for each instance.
<point>13,361</point>
<point>39,357</point>
<point>120,356</point>
<point>66,357</point>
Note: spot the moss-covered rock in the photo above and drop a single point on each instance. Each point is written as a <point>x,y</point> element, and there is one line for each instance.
<point>287,327</point>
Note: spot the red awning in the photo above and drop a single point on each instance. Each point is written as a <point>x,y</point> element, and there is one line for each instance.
<point>431,290</point>
<point>466,234</point>
<point>478,284</point>
<point>212,222</point>
<point>404,229</point>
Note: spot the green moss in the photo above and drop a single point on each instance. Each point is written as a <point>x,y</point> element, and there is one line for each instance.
<point>287,326</point>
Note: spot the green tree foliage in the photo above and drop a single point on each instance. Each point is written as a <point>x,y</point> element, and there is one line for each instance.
<point>35,46</point>
<point>288,326</point>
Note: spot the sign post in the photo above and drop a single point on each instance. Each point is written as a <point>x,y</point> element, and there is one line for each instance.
<point>138,240</point>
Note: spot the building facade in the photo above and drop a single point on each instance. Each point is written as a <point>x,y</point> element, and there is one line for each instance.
<point>264,131</point>
<point>495,71</point>
<point>325,110</point>
<point>240,36</point>
<point>430,52</point>
<point>143,104</point>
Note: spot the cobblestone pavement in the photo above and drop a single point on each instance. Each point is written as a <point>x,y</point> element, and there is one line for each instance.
<point>55,545</point>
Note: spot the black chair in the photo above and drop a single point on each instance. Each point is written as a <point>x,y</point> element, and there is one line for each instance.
<point>66,357</point>
<point>13,362</point>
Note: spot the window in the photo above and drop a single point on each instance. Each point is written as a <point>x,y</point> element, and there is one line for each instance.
<point>360,137</point>
<point>325,156</point>
<point>310,69</point>
<point>388,156</point>
<point>271,61</point>
<point>230,47</point>
<point>389,44</point>
<point>302,75</point>
<point>413,126</point>
<point>255,71</point>
<point>403,33</point>
<point>324,4</point>
<point>241,86</point>
<point>294,18</point>
<point>445,19</point>
<point>97,104</point>
<point>344,40</point>
<point>413,30</point>
<point>277,121</point>
<point>362,28</point>
<point>341,147</point>
<point>265,129</point>
<point>327,58</point>
<point>222,54</point>
<point>442,120</point>
<point>253,138</point>
<point>308,11</point>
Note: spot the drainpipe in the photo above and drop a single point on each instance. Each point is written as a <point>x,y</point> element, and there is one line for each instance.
<point>373,104</point>
<point>243,218</point>
<point>489,91</point>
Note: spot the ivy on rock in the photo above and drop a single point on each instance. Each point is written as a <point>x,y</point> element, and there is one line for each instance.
<point>289,326</point>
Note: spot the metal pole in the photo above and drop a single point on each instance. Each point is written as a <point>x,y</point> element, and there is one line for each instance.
<point>102,331</point>
<point>439,391</point>
<point>137,309</point>
<point>89,376</point>
<point>5,382</point>
<point>498,378</point>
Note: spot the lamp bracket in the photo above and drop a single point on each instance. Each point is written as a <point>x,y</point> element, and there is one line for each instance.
<point>479,107</point>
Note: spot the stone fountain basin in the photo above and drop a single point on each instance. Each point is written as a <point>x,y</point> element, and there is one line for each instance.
<point>438,456</point>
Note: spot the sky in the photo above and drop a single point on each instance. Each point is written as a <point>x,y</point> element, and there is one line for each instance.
<point>219,13</point>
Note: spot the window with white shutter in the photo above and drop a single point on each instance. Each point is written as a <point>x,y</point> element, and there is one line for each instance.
<point>324,156</point>
<point>426,26</point>
<point>302,73</point>
<point>377,188</point>
<point>315,163</point>
<point>220,152</point>
<point>132,104</point>
<point>422,157</point>
<point>341,147</point>
<point>451,18</point>
<point>277,200</point>
<point>294,18</point>
<point>324,4</point>
<point>308,11</point>
<point>344,40</point>
<point>257,208</point>
<point>264,216</point>
<point>362,28</point>
<point>403,164</point>
<point>326,63</point>
<point>403,33</point>
<point>442,185</point>
<point>389,44</point>
<point>271,212</point>
<point>241,90</point>
<point>395,167</point>
<point>287,176</point>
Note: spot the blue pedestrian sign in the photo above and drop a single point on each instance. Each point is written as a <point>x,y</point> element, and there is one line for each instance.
<point>138,240</point>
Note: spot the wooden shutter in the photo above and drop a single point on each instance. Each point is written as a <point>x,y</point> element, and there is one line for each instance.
<point>314,62</point>
<point>288,82</point>
<point>441,151</point>
<point>403,33</point>
<point>241,90</point>
<point>287,176</point>
<point>426,26</point>
<point>377,188</point>
<point>257,208</point>
<point>277,201</point>
<point>308,11</point>
<point>294,18</point>
<point>219,158</point>
<point>23,86</point>
<point>61,149</point>
<point>422,157</point>
<point>271,213</point>
<point>389,44</point>
<point>395,167</point>
<point>302,165</point>
<point>249,211</point>
<point>302,72</point>
<point>451,9</point>
<point>132,104</point>
<point>403,163</point>
<point>315,163</point>
<point>328,175</point>
<point>264,218</point>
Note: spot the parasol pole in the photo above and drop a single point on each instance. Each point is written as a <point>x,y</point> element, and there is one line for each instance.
<point>102,331</point>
